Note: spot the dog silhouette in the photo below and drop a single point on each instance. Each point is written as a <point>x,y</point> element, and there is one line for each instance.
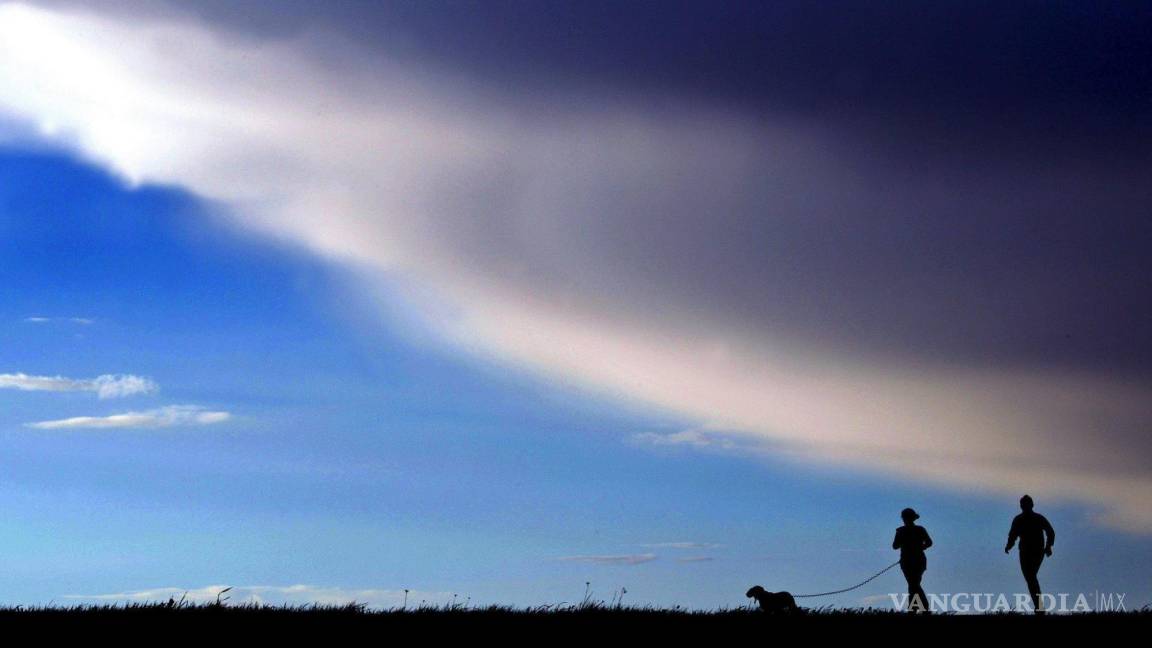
<point>773,602</point>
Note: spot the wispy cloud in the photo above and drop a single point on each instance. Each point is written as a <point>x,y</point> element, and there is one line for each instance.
<point>690,438</point>
<point>84,321</point>
<point>874,599</point>
<point>104,386</point>
<point>112,386</point>
<point>622,559</point>
<point>695,559</point>
<point>171,416</point>
<point>274,595</point>
<point>684,545</point>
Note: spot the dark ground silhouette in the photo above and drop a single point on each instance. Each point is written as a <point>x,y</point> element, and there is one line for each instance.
<point>347,623</point>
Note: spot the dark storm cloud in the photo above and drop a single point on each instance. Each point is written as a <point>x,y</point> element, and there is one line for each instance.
<point>984,261</point>
<point>978,191</point>
<point>1084,68</point>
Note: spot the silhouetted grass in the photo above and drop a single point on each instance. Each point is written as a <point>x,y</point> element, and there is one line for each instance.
<point>586,619</point>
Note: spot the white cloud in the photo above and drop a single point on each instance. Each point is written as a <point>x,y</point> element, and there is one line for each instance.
<point>621,559</point>
<point>274,595</point>
<point>692,438</point>
<point>695,559</point>
<point>872,600</point>
<point>24,382</point>
<point>684,545</point>
<point>108,386</point>
<point>85,321</point>
<point>171,416</point>
<point>479,201</point>
<point>105,386</point>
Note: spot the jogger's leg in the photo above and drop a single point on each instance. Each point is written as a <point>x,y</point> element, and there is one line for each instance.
<point>1030,565</point>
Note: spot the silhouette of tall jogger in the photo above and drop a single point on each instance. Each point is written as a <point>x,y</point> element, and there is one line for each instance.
<point>912,540</point>
<point>1036,537</point>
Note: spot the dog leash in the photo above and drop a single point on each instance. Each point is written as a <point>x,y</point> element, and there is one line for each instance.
<point>849,589</point>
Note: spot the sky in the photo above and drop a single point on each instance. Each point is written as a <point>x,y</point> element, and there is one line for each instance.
<point>505,301</point>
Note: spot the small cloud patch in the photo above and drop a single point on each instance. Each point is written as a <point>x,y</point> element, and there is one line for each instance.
<point>684,545</point>
<point>104,386</point>
<point>36,319</point>
<point>172,416</point>
<point>274,595</point>
<point>693,438</point>
<point>623,559</point>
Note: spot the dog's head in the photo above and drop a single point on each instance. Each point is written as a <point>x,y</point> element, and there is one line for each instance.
<point>755,592</point>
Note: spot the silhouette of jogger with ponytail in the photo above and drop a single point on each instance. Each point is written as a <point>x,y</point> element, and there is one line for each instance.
<point>912,540</point>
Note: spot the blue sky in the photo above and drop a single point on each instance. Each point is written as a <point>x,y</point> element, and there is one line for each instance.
<point>359,459</point>
<point>324,317</point>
